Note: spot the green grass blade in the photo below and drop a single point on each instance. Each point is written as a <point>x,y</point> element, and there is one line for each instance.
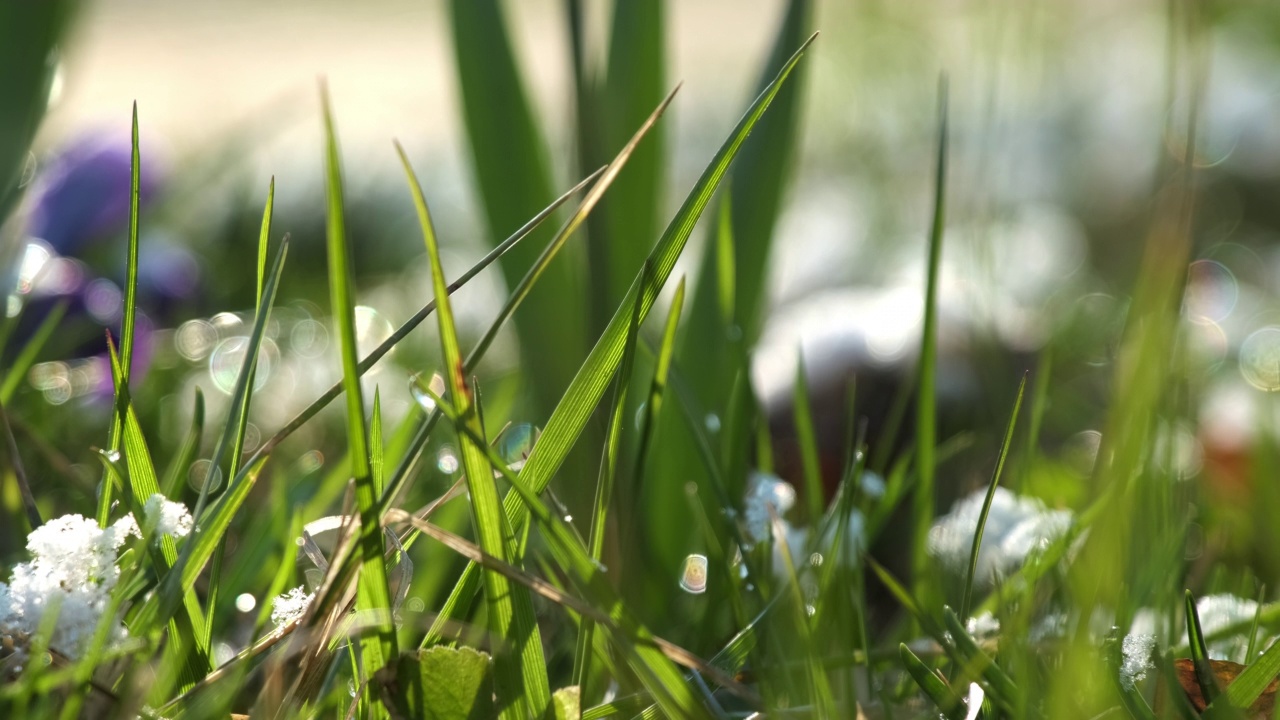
<point>712,351</point>
<point>520,671</point>
<point>967,598</point>
<point>604,493</point>
<point>264,237</point>
<point>412,323</point>
<point>174,476</point>
<point>1200,653</point>
<point>377,453</point>
<point>210,526</point>
<point>27,356</point>
<point>635,81</point>
<point>948,702</point>
<point>808,442</point>
<point>579,401</point>
<point>593,197</point>
<point>1001,687</point>
<point>574,409</point>
<point>29,35</point>
<point>129,311</point>
<point>189,637</point>
<point>510,160</point>
<point>19,473</point>
<point>652,410</point>
<point>650,657</point>
<point>1251,683</point>
<point>661,372</point>
<point>926,369</point>
<point>372,589</point>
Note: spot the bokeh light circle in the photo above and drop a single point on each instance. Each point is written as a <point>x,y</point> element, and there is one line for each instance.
<point>226,360</point>
<point>1260,359</point>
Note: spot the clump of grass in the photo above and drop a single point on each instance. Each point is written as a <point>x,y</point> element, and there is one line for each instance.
<point>1062,612</point>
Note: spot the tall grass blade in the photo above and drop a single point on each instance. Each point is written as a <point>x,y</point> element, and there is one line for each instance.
<point>650,656</point>
<point>948,702</point>
<point>513,174</point>
<point>189,640</point>
<point>1255,678</point>
<point>210,526</point>
<point>808,442</point>
<point>30,351</point>
<point>174,476</point>
<point>926,371</point>
<point>128,312</point>
<point>372,589</point>
<point>604,492</point>
<point>579,401</point>
<point>1200,652</point>
<point>413,322</point>
<point>634,82</point>
<point>1001,686</point>
<point>967,598</point>
<point>519,666</point>
<point>711,350</point>
<point>467,584</point>
<point>19,472</point>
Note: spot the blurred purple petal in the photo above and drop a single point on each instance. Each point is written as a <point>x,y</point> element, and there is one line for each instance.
<point>83,195</point>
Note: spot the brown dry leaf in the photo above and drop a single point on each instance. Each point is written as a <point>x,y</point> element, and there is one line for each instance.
<point>1226,673</point>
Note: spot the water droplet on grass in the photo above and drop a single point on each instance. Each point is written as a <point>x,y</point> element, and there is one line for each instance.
<point>226,360</point>
<point>199,474</point>
<point>516,444</point>
<point>420,394</point>
<point>447,460</point>
<point>693,578</point>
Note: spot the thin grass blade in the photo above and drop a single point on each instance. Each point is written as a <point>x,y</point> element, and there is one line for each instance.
<point>579,401</point>
<point>520,671</point>
<point>948,702</point>
<point>1200,652</point>
<point>129,311</point>
<point>372,589</point>
<point>967,600</point>
<point>604,492</point>
<point>27,356</point>
<point>927,370</point>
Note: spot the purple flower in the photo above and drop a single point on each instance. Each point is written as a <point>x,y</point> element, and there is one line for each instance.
<point>83,195</point>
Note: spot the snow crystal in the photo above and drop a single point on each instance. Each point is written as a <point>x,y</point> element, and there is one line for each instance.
<point>166,517</point>
<point>72,572</point>
<point>765,491</point>
<point>1136,653</point>
<point>1016,527</point>
<point>290,606</point>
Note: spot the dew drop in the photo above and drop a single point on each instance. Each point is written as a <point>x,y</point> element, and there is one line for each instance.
<point>447,460</point>
<point>712,422</point>
<point>228,357</point>
<point>112,455</point>
<point>815,560</point>
<point>246,602</point>
<point>516,444</point>
<point>568,518</point>
<point>693,579</point>
<point>199,474</point>
<point>421,396</point>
